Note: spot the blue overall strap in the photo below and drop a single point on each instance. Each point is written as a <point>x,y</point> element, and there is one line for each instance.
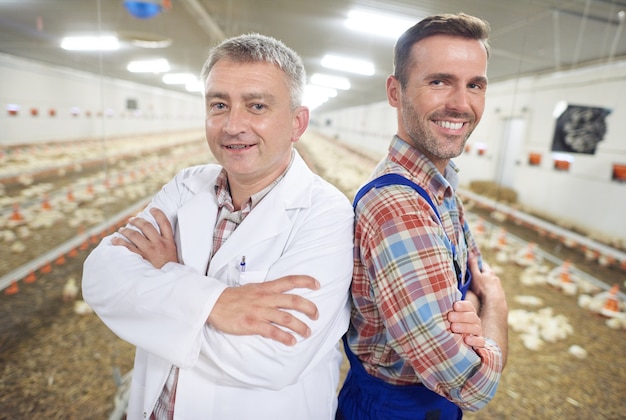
<point>394,179</point>
<point>397,179</point>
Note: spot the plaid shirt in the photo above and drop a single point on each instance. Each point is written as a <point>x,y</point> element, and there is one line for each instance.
<point>404,284</point>
<point>227,221</point>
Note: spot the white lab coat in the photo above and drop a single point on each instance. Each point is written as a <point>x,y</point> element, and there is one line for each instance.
<point>303,226</point>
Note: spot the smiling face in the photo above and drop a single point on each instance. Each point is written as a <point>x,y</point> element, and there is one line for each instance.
<point>250,124</point>
<point>444,97</point>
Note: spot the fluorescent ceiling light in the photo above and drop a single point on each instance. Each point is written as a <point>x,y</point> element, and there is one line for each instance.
<point>378,24</point>
<point>195,86</point>
<point>178,78</point>
<point>334,82</point>
<point>352,65</point>
<point>320,91</point>
<point>90,43</point>
<point>160,65</point>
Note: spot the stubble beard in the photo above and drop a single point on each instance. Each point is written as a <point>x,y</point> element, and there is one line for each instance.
<point>422,137</point>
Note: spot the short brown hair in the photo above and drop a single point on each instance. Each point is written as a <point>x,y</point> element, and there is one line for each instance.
<point>461,25</point>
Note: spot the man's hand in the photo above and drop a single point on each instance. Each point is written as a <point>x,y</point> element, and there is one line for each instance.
<point>464,320</point>
<point>485,284</point>
<point>260,308</point>
<point>157,248</point>
<point>493,311</point>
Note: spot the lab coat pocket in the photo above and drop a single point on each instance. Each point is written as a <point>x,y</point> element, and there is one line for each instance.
<point>251,276</point>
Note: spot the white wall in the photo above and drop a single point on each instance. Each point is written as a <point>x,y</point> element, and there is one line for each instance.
<point>585,197</point>
<point>30,84</point>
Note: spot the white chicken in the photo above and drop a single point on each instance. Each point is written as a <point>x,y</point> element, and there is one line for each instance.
<point>82,308</point>
<point>70,290</point>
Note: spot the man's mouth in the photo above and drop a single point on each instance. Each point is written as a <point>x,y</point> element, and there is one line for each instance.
<point>238,146</point>
<point>449,125</point>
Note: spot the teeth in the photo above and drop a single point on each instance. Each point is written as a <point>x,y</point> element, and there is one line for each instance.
<point>450,125</point>
<point>237,146</point>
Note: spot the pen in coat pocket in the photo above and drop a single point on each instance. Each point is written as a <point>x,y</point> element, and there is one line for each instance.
<point>242,264</point>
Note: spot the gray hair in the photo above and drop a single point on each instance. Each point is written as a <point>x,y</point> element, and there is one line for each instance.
<point>256,48</point>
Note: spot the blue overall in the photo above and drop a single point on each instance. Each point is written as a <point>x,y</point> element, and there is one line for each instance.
<point>365,397</point>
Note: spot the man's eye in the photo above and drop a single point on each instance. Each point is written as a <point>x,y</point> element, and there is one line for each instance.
<point>258,107</point>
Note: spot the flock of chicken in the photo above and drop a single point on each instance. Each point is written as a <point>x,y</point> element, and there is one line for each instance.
<point>542,325</point>
<point>58,196</point>
<point>43,205</point>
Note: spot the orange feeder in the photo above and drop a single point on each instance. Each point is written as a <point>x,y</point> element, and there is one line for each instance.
<point>46,268</point>
<point>16,216</point>
<point>45,204</point>
<point>611,304</point>
<point>30,278</point>
<point>12,289</point>
<point>564,276</point>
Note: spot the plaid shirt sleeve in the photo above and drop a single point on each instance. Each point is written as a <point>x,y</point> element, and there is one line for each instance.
<point>404,285</point>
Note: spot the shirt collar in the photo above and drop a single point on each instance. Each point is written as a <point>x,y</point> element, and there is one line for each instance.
<point>222,190</point>
<point>422,170</point>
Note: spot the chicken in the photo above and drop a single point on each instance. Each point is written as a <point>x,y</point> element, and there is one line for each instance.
<point>70,290</point>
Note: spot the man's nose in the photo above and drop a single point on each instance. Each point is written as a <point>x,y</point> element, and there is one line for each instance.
<point>236,122</point>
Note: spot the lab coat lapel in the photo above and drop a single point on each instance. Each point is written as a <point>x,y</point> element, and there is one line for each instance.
<point>270,217</point>
<point>196,221</point>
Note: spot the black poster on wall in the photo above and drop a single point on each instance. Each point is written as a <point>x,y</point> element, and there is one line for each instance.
<point>579,129</point>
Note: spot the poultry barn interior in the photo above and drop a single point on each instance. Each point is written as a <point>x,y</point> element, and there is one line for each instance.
<point>85,144</point>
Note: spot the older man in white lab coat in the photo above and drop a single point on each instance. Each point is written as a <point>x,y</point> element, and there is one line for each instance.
<point>220,336</point>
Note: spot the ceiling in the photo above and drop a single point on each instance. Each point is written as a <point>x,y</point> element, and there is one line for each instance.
<point>528,36</point>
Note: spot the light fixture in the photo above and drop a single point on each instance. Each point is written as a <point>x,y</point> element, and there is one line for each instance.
<point>378,24</point>
<point>159,65</point>
<point>143,9</point>
<point>195,86</point>
<point>144,39</point>
<point>351,65</point>
<point>90,43</point>
<point>334,82</point>
<point>178,78</point>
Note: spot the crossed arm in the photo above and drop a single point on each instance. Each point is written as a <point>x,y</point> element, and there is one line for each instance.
<point>262,308</point>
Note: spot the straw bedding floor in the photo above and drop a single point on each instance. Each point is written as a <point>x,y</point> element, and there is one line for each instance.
<point>55,364</point>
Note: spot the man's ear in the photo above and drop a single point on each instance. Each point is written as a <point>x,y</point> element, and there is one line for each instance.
<point>300,123</point>
<point>393,91</point>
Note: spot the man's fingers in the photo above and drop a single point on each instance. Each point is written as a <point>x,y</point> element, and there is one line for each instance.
<point>163,223</point>
<point>299,304</point>
<point>474,341</point>
<point>289,321</point>
<point>276,334</point>
<point>464,306</point>
<point>465,328</point>
<point>132,235</point>
<point>287,283</point>
<point>146,228</point>
<point>125,243</point>
<point>257,309</point>
<point>473,265</point>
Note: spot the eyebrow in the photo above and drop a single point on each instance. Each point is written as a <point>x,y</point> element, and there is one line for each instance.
<point>449,76</point>
<point>265,96</point>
